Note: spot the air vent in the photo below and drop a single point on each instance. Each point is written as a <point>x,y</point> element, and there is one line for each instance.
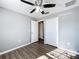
<point>70,3</point>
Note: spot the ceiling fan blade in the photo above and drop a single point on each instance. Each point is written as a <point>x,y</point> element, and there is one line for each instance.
<point>41,2</point>
<point>49,5</point>
<point>28,2</point>
<point>33,10</point>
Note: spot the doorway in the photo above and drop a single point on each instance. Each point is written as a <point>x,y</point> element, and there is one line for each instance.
<point>41,31</point>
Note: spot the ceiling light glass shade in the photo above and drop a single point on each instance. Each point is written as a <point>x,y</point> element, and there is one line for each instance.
<point>41,10</point>
<point>35,0</point>
<point>37,9</point>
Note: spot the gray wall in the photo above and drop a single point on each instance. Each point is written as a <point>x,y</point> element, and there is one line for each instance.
<point>69,31</point>
<point>14,30</point>
<point>67,36</point>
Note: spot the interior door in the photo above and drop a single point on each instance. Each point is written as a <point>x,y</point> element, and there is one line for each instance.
<point>34,31</point>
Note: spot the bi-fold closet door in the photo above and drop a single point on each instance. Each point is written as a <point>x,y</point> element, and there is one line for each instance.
<point>51,31</point>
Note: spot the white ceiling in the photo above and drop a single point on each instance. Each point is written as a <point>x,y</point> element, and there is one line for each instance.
<point>18,6</point>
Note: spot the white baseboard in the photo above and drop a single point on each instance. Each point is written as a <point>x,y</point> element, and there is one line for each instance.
<point>34,42</point>
<point>69,50</point>
<point>1,53</point>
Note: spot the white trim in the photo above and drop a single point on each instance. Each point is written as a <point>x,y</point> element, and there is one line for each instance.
<point>7,51</point>
<point>57,31</point>
<point>34,42</point>
<point>69,50</point>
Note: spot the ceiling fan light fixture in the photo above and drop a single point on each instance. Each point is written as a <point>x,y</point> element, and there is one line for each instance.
<point>35,0</point>
<point>41,10</point>
<point>37,9</point>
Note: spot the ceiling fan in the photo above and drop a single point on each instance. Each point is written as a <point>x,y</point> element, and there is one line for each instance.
<point>39,6</point>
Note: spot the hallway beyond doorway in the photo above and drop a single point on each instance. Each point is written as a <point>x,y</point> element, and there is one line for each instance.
<point>41,31</point>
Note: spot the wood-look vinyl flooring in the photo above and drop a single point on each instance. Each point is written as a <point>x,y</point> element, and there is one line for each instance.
<point>32,51</point>
<point>39,50</point>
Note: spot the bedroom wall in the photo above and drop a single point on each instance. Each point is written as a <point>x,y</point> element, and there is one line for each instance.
<point>67,35</point>
<point>69,30</point>
<point>14,29</point>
